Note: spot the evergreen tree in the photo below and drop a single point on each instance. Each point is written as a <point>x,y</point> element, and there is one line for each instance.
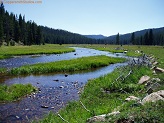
<point>38,36</point>
<point>11,25</point>
<point>141,41</point>
<point>2,11</point>
<point>7,27</point>
<point>118,39</point>
<point>151,41</point>
<point>146,39</point>
<point>1,31</point>
<point>133,38</point>
<point>17,32</point>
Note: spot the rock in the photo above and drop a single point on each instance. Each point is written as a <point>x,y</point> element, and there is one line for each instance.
<point>152,81</point>
<point>113,113</point>
<point>160,70</point>
<point>143,79</point>
<point>155,63</point>
<point>44,106</point>
<point>27,109</point>
<point>66,75</point>
<point>153,97</point>
<point>155,80</point>
<point>154,72</point>
<point>132,98</point>
<point>101,118</point>
<point>153,67</point>
<point>125,51</point>
<point>17,117</point>
<point>61,87</point>
<point>161,93</point>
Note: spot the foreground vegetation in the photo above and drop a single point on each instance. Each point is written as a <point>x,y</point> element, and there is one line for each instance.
<point>84,63</point>
<point>104,95</point>
<point>9,51</point>
<point>15,92</point>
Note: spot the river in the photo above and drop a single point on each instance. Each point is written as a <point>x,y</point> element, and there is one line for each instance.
<point>55,90</point>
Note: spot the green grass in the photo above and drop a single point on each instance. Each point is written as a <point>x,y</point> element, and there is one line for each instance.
<point>157,51</point>
<point>84,63</point>
<point>15,92</point>
<point>9,51</point>
<point>98,102</point>
<point>148,113</point>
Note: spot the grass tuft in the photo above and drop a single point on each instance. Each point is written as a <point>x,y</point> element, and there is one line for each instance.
<point>15,91</point>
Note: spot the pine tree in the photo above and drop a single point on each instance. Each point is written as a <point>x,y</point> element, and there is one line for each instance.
<point>7,27</point>
<point>38,36</point>
<point>118,39</point>
<point>151,37</point>
<point>2,11</point>
<point>1,31</point>
<point>146,39</point>
<point>133,38</point>
<point>17,32</point>
<point>141,41</point>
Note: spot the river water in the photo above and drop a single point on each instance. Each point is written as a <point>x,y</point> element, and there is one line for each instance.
<point>55,90</point>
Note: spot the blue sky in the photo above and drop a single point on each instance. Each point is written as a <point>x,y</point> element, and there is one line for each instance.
<point>107,17</point>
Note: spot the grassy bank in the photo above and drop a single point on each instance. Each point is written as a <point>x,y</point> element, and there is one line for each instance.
<point>104,94</point>
<point>84,63</point>
<point>8,51</point>
<point>15,92</point>
<point>132,50</point>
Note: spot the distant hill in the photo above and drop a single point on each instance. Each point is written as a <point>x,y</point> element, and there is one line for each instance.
<point>59,36</point>
<point>125,38</point>
<point>95,36</point>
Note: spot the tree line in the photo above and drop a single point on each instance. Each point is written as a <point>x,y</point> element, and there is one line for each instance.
<point>150,37</point>
<point>14,29</point>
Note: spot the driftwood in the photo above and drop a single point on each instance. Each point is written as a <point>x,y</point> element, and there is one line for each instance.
<point>84,106</point>
<point>62,118</point>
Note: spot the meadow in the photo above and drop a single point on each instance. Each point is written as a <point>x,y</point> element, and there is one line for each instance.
<point>84,63</point>
<point>104,94</point>
<point>133,50</point>
<point>9,51</point>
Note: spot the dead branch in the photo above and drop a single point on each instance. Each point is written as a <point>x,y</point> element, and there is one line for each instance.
<point>62,118</point>
<point>84,106</point>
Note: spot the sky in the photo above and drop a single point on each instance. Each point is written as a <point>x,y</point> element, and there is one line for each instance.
<point>106,17</point>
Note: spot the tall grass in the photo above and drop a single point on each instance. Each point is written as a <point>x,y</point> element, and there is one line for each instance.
<point>99,96</point>
<point>8,51</point>
<point>83,63</point>
<point>14,92</point>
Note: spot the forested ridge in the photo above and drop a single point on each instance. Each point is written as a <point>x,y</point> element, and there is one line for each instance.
<point>15,29</point>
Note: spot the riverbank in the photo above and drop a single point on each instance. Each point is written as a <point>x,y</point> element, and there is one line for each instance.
<point>9,51</point>
<point>104,95</point>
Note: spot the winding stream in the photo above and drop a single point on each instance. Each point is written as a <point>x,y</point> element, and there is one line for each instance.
<point>55,90</point>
